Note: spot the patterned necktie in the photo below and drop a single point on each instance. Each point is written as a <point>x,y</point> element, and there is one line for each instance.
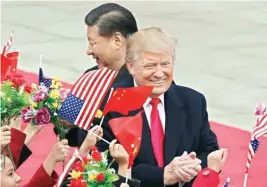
<point>157,135</point>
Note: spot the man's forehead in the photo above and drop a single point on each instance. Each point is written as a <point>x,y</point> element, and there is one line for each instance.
<point>92,32</point>
<point>149,55</point>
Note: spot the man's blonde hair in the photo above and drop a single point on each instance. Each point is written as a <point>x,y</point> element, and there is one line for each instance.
<point>152,39</point>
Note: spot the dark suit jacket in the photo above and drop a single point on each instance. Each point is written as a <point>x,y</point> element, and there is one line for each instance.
<point>186,129</point>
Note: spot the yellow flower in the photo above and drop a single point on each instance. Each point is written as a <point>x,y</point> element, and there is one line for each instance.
<point>59,84</point>
<point>55,105</point>
<point>75,174</point>
<point>99,114</point>
<point>35,104</point>
<point>54,94</point>
<point>92,177</point>
<point>55,79</point>
<point>52,85</point>
<point>34,86</point>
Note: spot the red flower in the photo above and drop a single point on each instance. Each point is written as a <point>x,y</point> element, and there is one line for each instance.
<point>77,183</point>
<point>94,148</point>
<point>100,177</point>
<point>85,160</point>
<point>79,167</point>
<point>28,88</point>
<point>96,156</point>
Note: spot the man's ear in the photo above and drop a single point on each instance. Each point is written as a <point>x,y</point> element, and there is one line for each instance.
<point>118,40</point>
<point>129,66</point>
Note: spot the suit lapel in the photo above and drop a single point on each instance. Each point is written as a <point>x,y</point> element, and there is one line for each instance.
<point>175,122</point>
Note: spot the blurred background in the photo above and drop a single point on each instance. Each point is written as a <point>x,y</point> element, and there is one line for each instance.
<point>222,49</point>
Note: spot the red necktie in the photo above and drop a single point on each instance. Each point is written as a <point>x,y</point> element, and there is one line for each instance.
<point>157,135</point>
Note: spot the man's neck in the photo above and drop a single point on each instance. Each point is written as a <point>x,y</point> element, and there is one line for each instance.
<point>117,65</point>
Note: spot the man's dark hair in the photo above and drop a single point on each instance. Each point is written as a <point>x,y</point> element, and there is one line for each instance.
<point>111,18</point>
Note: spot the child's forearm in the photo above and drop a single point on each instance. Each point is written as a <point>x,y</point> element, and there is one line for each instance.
<point>49,164</point>
<point>124,171</point>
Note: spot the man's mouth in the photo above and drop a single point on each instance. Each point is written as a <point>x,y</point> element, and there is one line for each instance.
<point>158,82</point>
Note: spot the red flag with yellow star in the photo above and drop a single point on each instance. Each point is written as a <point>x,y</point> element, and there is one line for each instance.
<point>128,131</point>
<point>13,60</point>
<point>124,100</point>
<point>9,63</point>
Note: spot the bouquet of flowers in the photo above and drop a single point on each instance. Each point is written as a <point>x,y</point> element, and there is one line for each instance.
<point>15,95</point>
<point>93,171</point>
<point>44,106</point>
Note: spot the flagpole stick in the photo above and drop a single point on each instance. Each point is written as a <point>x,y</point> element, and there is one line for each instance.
<point>127,176</point>
<point>41,60</point>
<point>245,180</point>
<point>102,119</point>
<point>99,137</point>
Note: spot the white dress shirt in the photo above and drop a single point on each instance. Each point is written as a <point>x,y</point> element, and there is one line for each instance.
<point>148,108</point>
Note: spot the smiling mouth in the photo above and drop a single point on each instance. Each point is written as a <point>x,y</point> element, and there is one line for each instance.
<point>158,82</point>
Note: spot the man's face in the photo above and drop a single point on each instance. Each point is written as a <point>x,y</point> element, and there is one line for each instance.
<point>101,48</point>
<point>153,69</point>
<point>9,177</point>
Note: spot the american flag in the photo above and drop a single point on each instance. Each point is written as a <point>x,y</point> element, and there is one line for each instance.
<point>86,96</point>
<point>44,81</point>
<point>226,184</point>
<point>259,130</point>
<point>8,44</point>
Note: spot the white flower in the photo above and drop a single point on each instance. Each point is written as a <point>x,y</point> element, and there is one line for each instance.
<point>112,170</point>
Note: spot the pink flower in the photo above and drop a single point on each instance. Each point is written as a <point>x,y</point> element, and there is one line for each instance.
<point>27,115</point>
<point>42,117</point>
<point>40,96</point>
<point>260,109</point>
<point>64,94</point>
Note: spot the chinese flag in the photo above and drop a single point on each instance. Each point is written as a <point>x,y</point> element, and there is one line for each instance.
<point>9,63</point>
<point>13,60</point>
<point>4,66</point>
<point>124,100</point>
<point>128,131</point>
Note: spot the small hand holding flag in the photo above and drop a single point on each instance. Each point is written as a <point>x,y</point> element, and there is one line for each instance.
<point>128,131</point>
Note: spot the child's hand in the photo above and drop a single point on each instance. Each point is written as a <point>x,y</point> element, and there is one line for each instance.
<point>90,140</point>
<point>118,153</point>
<point>217,159</point>
<point>15,123</point>
<point>31,131</point>
<point>59,151</point>
<point>5,135</point>
<point>124,185</point>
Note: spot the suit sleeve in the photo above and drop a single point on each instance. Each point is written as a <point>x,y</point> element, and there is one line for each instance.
<point>131,182</point>
<point>42,179</point>
<point>20,152</point>
<point>208,140</point>
<point>207,178</point>
<point>149,175</point>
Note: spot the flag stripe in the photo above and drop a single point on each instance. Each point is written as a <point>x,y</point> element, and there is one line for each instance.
<point>77,84</point>
<point>100,98</point>
<point>88,101</point>
<point>92,82</point>
<point>8,44</point>
<point>261,132</point>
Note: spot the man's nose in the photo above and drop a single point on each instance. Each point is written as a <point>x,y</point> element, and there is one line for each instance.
<point>89,51</point>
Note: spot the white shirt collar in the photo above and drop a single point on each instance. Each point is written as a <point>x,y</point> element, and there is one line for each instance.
<point>161,97</point>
